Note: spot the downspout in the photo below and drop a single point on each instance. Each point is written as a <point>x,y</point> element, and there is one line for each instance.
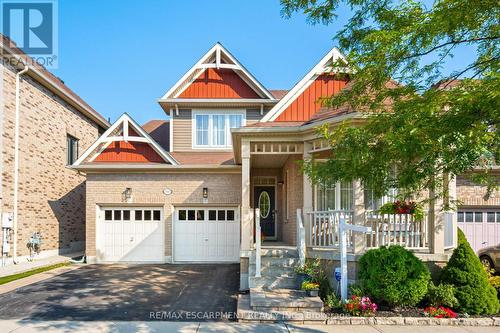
<point>16,158</point>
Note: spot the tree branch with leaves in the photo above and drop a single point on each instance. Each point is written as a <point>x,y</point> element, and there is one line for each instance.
<point>421,120</point>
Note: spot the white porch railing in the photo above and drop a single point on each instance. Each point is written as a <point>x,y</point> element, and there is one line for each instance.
<point>387,229</point>
<point>258,242</point>
<point>301,238</point>
<point>397,229</point>
<point>324,228</point>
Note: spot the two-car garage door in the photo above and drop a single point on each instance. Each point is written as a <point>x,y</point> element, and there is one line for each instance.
<point>137,234</point>
<point>207,234</point>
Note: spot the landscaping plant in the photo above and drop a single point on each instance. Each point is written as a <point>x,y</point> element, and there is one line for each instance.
<point>393,275</point>
<point>465,272</point>
<point>439,312</point>
<point>360,306</point>
<point>403,207</point>
<point>441,295</point>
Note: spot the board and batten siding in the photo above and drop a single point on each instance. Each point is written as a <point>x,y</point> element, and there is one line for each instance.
<point>182,126</point>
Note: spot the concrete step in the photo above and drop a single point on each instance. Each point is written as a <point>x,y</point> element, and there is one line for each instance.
<point>283,300</point>
<point>279,262</point>
<point>279,253</point>
<point>246,314</point>
<point>273,282</point>
<point>272,271</point>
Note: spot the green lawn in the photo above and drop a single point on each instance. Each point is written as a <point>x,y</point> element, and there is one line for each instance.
<point>10,278</point>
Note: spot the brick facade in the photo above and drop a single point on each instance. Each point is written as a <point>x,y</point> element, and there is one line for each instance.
<point>51,196</point>
<point>471,194</point>
<point>147,189</point>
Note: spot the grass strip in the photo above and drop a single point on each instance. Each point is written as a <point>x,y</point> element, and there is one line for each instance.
<point>13,277</point>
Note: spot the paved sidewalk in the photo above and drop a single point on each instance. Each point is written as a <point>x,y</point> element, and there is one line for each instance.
<point>20,326</point>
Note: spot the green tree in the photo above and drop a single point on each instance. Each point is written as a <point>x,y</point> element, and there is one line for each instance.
<point>464,271</point>
<point>421,120</point>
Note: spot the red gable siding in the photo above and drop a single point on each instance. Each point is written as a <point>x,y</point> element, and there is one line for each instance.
<point>307,104</point>
<point>218,83</point>
<point>129,152</point>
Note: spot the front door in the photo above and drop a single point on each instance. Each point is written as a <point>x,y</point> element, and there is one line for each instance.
<point>264,199</point>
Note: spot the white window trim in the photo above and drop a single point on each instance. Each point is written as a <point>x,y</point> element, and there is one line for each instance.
<point>338,192</point>
<point>211,113</point>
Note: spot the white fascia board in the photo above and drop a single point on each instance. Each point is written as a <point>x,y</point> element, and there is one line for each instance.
<point>236,66</point>
<point>105,138</point>
<point>189,72</point>
<point>302,85</point>
<point>218,100</point>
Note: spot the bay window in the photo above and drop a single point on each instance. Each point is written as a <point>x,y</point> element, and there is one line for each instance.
<point>212,129</point>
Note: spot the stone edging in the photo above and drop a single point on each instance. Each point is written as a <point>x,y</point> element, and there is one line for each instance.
<point>413,321</point>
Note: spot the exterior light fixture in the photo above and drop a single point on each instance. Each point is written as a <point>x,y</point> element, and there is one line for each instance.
<point>205,193</point>
<point>128,193</point>
<point>281,182</point>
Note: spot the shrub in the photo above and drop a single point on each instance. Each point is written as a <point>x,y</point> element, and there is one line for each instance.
<point>356,290</point>
<point>464,271</point>
<point>393,275</point>
<point>494,281</point>
<point>333,302</point>
<point>441,295</point>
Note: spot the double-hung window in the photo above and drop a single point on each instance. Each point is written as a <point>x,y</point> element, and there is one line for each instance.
<point>334,197</point>
<point>212,129</point>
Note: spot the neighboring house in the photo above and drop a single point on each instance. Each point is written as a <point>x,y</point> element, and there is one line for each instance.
<point>54,125</point>
<point>233,146</point>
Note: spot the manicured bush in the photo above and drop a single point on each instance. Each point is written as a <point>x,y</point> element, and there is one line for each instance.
<point>441,295</point>
<point>393,275</point>
<point>464,271</point>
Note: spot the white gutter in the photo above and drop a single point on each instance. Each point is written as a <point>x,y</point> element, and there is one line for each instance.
<point>16,157</point>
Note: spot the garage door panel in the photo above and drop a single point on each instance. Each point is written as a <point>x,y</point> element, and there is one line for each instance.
<point>125,235</point>
<point>206,234</point>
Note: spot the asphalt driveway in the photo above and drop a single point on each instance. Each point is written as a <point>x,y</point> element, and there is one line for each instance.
<point>129,292</point>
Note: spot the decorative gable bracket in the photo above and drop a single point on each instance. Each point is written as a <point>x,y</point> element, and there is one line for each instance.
<point>125,129</point>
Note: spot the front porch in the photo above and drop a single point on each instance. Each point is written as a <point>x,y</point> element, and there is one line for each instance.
<point>304,221</point>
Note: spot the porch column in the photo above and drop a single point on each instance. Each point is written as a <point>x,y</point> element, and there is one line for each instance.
<point>246,211</point>
<point>436,221</point>
<point>359,216</point>
<point>307,192</point>
<point>452,199</point>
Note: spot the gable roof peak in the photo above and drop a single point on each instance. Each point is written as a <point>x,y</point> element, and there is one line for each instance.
<point>217,57</point>
<point>323,66</point>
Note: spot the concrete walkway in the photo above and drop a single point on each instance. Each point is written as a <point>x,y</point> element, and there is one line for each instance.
<point>19,326</point>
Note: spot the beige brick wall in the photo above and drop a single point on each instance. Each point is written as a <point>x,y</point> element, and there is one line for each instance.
<point>51,196</point>
<point>147,189</point>
<point>471,194</point>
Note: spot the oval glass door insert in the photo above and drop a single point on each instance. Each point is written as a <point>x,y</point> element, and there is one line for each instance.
<point>264,204</point>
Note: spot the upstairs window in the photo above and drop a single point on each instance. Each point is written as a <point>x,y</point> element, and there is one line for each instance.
<point>213,130</point>
<point>72,149</point>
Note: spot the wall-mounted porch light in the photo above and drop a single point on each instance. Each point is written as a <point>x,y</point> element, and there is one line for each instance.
<point>127,194</point>
<point>281,182</point>
<point>205,193</point>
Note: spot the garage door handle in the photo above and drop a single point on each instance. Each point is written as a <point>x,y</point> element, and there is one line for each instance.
<point>131,239</point>
<point>206,239</point>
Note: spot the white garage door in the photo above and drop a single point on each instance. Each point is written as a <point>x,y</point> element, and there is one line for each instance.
<point>130,235</point>
<point>480,226</point>
<point>207,234</point>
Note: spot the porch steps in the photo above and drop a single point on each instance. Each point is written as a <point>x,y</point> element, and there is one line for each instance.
<point>274,297</point>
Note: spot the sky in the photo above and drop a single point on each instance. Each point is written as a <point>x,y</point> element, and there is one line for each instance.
<point>122,55</point>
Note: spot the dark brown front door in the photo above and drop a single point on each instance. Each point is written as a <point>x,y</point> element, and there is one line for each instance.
<point>264,200</point>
